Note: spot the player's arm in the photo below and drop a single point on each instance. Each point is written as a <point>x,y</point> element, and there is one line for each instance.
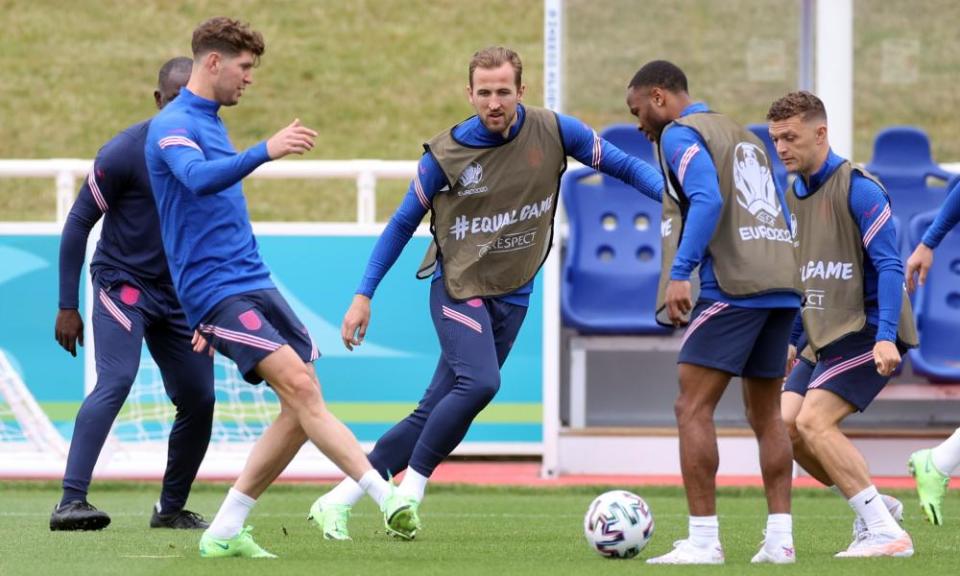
<point>793,348</point>
<point>921,260</point>
<point>179,150</point>
<point>871,210</point>
<point>100,190</point>
<point>415,204</point>
<point>946,219</point>
<point>689,161</point>
<point>583,143</point>
<point>796,333</point>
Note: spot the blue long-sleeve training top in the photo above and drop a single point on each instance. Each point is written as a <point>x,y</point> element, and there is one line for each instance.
<point>882,267</point>
<point>579,141</point>
<point>196,178</point>
<point>118,190</point>
<point>690,162</point>
<point>946,219</point>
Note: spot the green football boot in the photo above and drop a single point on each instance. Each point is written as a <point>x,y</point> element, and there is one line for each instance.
<point>332,519</point>
<point>400,515</point>
<point>241,545</point>
<point>931,485</point>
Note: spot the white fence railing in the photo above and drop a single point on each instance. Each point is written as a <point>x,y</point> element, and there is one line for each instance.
<point>66,173</point>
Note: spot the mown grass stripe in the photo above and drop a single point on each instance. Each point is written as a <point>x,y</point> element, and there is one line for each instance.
<point>353,412</point>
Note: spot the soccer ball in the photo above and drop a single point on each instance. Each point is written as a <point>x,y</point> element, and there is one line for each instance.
<point>618,524</point>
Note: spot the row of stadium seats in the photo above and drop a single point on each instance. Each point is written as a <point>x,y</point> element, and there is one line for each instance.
<point>612,261</point>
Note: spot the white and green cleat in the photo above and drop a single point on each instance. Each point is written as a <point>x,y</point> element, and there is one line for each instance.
<point>241,545</point>
<point>400,515</point>
<point>931,485</point>
<point>331,519</point>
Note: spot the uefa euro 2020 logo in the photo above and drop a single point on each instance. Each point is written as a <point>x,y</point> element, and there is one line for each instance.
<point>754,182</point>
<point>471,175</point>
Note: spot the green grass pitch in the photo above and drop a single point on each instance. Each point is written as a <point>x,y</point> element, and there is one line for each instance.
<point>467,530</point>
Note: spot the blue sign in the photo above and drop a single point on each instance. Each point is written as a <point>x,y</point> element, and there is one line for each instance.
<point>371,388</point>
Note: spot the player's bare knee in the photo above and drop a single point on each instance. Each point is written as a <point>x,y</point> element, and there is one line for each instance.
<point>809,426</point>
<point>301,388</point>
<point>688,411</point>
<point>762,418</point>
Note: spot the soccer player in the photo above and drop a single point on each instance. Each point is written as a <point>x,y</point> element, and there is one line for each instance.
<point>134,300</point>
<point>491,185</point>
<point>800,367</point>
<point>932,467</point>
<point>225,287</point>
<point>722,213</point>
<point>856,316</point>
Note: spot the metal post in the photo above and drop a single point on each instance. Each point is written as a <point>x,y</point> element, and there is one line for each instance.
<point>806,45</point>
<point>65,188</point>
<point>366,198</point>
<point>553,99</point>
<point>835,70</point>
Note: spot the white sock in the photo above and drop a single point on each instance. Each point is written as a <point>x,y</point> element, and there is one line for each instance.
<point>871,507</point>
<point>704,531</point>
<point>347,493</point>
<point>839,493</point>
<point>414,484</point>
<point>779,530</point>
<point>946,456</point>
<point>374,485</point>
<point>231,515</point>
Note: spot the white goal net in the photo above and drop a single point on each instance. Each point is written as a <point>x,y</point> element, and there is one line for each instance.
<point>31,445</point>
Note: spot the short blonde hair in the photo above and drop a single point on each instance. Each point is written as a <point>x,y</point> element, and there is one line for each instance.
<point>495,57</point>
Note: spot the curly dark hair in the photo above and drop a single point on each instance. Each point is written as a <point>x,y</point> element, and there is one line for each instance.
<point>798,103</point>
<point>660,74</point>
<point>228,36</point>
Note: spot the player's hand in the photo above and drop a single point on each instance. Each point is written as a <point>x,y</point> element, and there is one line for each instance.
<point>69,330</point>
<point>678,301</point>
<point>200,343</point>
<point>791,360</point>
<point>886,356</point>
<point>355,322</point>
<point>294,139</point>
<point>919,263</point>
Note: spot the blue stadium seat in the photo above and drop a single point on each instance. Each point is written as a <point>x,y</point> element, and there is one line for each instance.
<point>612,261</point>
<point>631,140</point>
<point>937,307</point>
<point>903,162</point>
<point>779,170</point>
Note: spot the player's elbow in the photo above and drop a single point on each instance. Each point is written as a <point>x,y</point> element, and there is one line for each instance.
<point>713,203</point>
